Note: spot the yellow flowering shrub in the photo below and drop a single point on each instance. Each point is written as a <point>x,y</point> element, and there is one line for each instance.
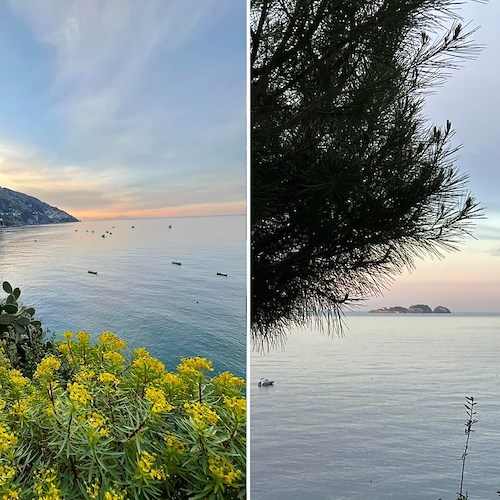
<point>104,425</point>
<point>223,470</point>
<point>194,366</point>
<point>47,367</point>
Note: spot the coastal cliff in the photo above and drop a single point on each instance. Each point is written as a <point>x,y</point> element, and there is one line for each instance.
<point>415,309</point>
<point>19,209</point>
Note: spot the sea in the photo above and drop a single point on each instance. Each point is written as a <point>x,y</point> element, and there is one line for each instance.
<point>378,412</point>
<point>138,293</point>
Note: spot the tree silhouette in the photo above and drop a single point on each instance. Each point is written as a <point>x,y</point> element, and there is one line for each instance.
<point>349,183</point>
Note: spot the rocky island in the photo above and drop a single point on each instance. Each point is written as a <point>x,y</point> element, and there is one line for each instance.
<point>19,209</point>
<point>415,309</point>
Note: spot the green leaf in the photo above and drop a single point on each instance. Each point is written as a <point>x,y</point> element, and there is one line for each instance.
<point>7,287</point>
<point>7,319</point>
<point>30,311</point>
<point>10,308</point>
<point>19,330</point>
<point>16,292</point>
<point>23,320</point>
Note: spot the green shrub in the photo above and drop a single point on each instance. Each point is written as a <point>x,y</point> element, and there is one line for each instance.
<point>95,423</point>
<point>25,343</point>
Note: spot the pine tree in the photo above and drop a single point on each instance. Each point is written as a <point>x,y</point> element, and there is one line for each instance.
<point>349,182</point>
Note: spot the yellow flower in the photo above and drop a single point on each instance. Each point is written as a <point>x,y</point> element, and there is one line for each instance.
<point>47,367</point>
<point>7,439</point>
<point>45,487</point>
<point>114,495</point>
<point>114,357</point>
<point>146,470</point>
<point>97,421</point>
<point>175,445</point>
<point>108,378</point>
<point>10,495</point>
<point>229,381</point>
<point>83,336</point>
<point>17,379</point>
<point>157,397</point>
<point>64,348</point>
<point>194,366</point>
<point>19,408</point>
<point>67,334</point>
<point>52,493</point>
<point>84,375</point>
<point>145,362</point>
<point>173,380</point>
<point>93,490</point>
<point>111,340</point>
<point>6,473</point>
<point>222,469</point>
<point>201,414</point>
<point>239,405</point>
<point>78,393</point>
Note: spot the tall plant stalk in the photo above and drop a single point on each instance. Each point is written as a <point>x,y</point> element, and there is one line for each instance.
<point>469,406</point>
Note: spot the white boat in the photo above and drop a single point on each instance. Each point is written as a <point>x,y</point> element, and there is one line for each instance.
<point>264,382</point>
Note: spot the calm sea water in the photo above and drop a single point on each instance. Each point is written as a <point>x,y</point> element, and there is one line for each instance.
<point>138,293</point>
<point>378,413</point>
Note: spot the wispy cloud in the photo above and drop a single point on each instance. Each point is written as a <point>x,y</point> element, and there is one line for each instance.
<point>112,192</point>
<point>148,102</point>
<point>100,50</point>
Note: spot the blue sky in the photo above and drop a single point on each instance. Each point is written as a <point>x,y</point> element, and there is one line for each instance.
<point>468,280</point>
<point>125,108</point>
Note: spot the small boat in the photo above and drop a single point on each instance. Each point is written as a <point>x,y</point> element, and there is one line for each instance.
<point>176,263</point>
<point>221,274</point>
<point>265,382</point>
<point>92,272</point>
<point>133,227</point>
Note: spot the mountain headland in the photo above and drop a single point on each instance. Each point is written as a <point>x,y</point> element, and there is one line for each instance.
<point>415,309</point>
<point>19,209</point>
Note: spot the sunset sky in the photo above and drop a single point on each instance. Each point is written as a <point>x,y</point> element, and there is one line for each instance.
<point>121,108</point>
<point>469,280</point>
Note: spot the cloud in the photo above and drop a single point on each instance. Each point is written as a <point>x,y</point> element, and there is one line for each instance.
<point>100,53</point>
<point>111,192</point>
<point>151,116</point>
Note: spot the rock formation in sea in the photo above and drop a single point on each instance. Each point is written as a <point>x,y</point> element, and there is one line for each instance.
<point>441,309</point>
<point>419,309</point>
<point>19,209</point>
<point>415,309</point>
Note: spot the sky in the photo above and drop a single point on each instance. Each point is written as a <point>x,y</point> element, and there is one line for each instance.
<point>121,108</point>
<point>468,280</point>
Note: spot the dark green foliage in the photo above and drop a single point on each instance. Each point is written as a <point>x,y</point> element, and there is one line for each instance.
<point>22,333</point>
<point>349,182</point>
